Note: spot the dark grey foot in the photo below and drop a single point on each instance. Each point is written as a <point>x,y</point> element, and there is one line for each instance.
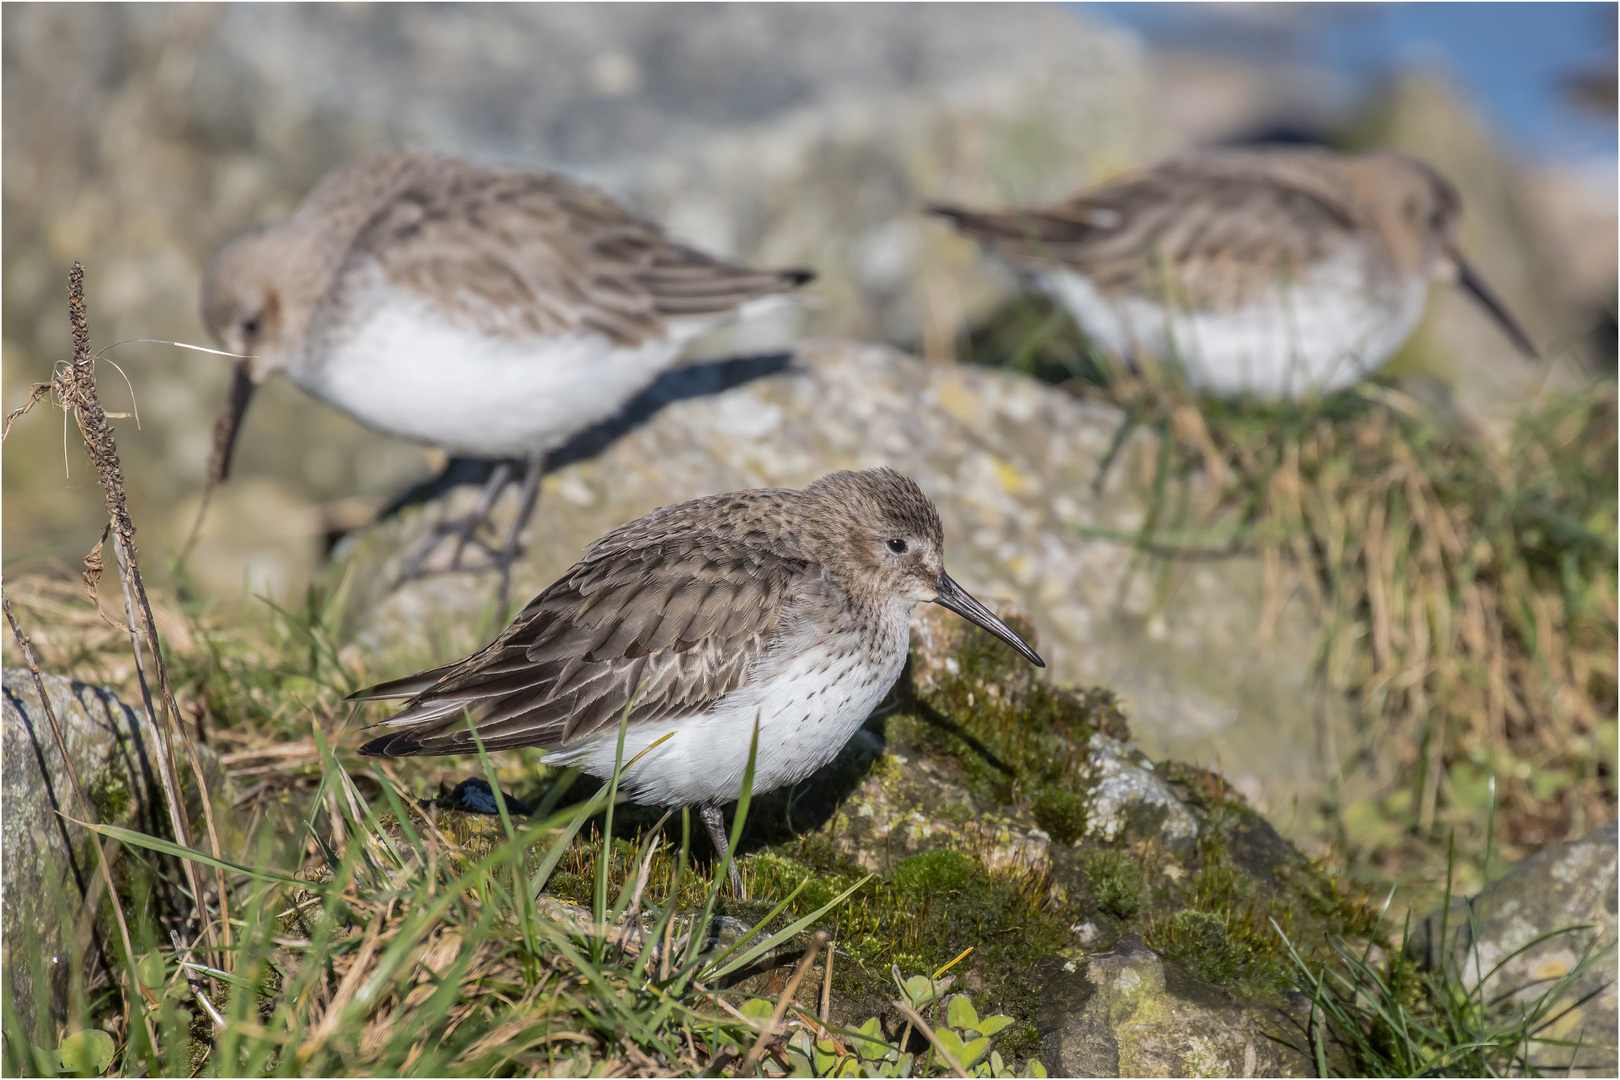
<point>715,822</point>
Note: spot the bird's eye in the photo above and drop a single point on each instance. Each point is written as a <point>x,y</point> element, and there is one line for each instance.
<point>898,546</point>
<point>250,327</point>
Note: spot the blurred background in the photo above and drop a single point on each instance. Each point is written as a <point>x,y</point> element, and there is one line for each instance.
<point>140,138</point>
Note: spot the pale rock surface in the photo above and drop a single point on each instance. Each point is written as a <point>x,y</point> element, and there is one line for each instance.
<point>1128,1013</point>
<point>1129,800</point>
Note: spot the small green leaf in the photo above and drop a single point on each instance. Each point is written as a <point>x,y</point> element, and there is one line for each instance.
<point>919,990</point>
<point>1034,1068</point>
<point>992,1024</point>
<point>972,1052</point>
<point>86,1052</point>
<point>149,969</point>
<point>872,1046</point>
<point>950,1042</point>
<point>757,1009</point>
<point>961,1014</point>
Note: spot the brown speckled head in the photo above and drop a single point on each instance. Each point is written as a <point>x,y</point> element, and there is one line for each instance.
<point>876,534</point>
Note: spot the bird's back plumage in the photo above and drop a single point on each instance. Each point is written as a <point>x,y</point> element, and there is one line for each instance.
<point>1223,226</point>
<point>514,253</point>
<point>671,609</point>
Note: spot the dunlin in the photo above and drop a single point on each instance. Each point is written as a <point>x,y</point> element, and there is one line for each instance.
<point>1272,272</point>
<point>789,609</point>
<point>492,312</point>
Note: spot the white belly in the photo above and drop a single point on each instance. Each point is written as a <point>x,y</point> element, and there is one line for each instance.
<point>405,369</point>
<point>1318,335</point>
<point>809,701</point>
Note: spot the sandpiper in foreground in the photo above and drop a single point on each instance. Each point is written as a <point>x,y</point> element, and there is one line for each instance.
<point>786,608</point>
<point>1274,272</point>
<point>492,312</point>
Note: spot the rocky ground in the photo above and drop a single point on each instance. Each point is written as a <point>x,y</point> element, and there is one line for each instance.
<point>1123,913</point>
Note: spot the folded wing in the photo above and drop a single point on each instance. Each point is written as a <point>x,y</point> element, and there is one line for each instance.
<point>1227,222</point>
<point>668,629</point>
<point>515,253</point>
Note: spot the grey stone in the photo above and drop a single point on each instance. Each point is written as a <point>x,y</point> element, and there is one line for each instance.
<point>1570,893</point>
<point>1129,800</point>
<point>49,863</point>
<point>1012,464</point>
<point>1129,1013</point>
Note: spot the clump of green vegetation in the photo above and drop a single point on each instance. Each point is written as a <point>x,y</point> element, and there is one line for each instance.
<point>1211,947</point>
<point>398,953</point>
<point>1116,884</point>
<point>1018,739</point>
<point>926,913</point>
<point>1061,813</point>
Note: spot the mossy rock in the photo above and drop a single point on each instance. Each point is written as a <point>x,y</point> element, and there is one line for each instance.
<point>1004,814</point>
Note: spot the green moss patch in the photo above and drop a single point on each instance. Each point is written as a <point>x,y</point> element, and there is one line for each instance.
<point>1018,746</point>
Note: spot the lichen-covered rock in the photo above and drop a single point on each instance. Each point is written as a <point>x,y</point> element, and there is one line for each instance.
<point>49,863</point>
<point>909,805</point>
<point>1013,467</point>
<point>1570,888</point>
<point>1129,800</point>
<point>1129,1013</point>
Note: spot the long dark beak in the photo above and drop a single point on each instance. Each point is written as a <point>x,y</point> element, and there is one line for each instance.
<point>1476,287</point>
<point>956,598</point>
<point>227,425</point>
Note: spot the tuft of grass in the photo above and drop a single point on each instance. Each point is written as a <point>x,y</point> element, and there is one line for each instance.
<point>1375,1017</point>
<point>396,951</point>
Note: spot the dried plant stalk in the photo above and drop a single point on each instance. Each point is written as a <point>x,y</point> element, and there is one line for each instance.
<point>75,385</point>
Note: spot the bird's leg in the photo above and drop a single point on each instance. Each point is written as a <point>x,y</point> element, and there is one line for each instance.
<point>466,532</point>
<point>715,822</point>
<point>527,498</point>
<point>463,528</point>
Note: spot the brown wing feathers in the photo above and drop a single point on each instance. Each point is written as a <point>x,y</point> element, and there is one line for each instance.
<point>677,623</point>
<point>516,252</point>
<point>1214,217</point>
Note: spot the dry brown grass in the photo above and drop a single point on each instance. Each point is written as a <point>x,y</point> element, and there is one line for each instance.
<point>1466,592</point>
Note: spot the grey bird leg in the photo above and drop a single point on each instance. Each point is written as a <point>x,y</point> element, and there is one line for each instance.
<point>715,822</point>
<point>528,496</point>
<point>463,528</point>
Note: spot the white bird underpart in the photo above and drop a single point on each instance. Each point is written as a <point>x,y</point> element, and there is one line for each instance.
<point>809,695</point>
<point>405,368</point>
<point>1322,333</point>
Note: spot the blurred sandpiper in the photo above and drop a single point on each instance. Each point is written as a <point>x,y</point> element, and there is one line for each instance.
<point>491,312</point>
<point>789,609</point>
<point>1271,272</point>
